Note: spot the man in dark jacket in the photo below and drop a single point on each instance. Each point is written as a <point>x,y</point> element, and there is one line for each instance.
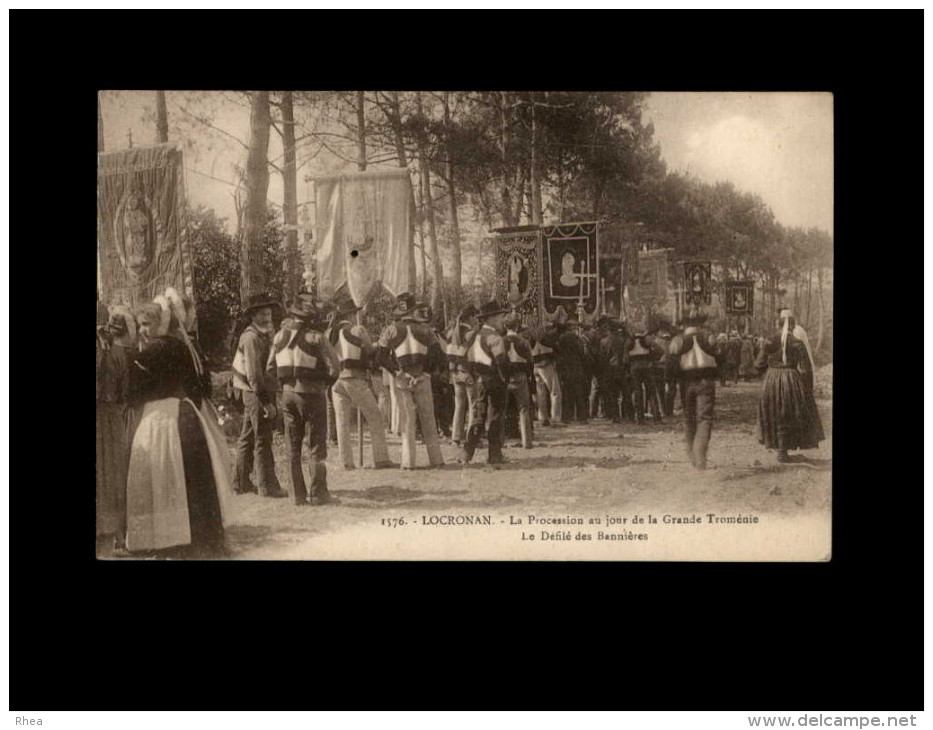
<point>489,363</point>
<point>642,354</point>
<point>259,394</point>
<point>612,358</point>
<point>571,371</point>
<point>544,352</point>
<point>519,352</point>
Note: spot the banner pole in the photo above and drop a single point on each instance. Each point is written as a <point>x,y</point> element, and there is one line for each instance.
<point>359,412</point>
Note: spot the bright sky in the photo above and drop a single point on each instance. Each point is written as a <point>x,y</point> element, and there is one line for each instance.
<point>779,145</point>
<point>776,144</point>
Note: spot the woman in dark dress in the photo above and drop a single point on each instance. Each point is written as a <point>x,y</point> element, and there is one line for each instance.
<point>178,483</point>
<point>787,414</point>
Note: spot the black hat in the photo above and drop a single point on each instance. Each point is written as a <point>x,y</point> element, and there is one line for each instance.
<point>343,303</point>
<point>258,301</point>
<point>513,321</point>
<point>423,313</point>
<point>468,311</point>
<point>405,305</point>
<point>490,309</point>
<point>606,321</point>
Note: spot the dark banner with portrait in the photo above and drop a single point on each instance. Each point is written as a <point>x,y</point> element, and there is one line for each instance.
<point>740,298</point>
<point>698,282</point>
<point>518,274</point>
<point>570,267</point>
<point>141,224</point>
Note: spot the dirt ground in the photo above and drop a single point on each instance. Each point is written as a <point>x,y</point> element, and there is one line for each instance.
<point>598,470</point>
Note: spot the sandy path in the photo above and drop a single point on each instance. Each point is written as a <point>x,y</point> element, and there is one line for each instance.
<point>597,470</point>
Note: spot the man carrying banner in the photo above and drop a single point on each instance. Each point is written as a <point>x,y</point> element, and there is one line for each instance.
<point>544,355</point>
<point>489,363</point>
<point>305,365</point>
<point>519,353</point>
<point>353,388</point>
<point>611,362</point>
<point>259,391</point>
<point>459,338</point>
<point>403,350</point>
<point>695,353</point>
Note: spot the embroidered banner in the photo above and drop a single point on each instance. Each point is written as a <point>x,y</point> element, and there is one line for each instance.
<point>740,297</point>
<point>141,235</point>
<point>363,233</point>
<point>698,280</point>
<point>518,273</point>
<point>570,267</point>
<point>650,281</point>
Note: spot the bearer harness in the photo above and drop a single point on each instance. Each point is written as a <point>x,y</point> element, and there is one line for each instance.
<point>457,354</point>
<point>411,346</point>
<point>696,358</point>
<point>298,359</point>
<point>349,348</point>
<point>480,355</point>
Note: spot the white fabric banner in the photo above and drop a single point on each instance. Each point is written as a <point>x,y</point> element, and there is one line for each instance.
<point>363,233</point>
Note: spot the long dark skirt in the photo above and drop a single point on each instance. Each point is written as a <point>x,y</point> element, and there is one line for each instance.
<point>204,516</point>
<point>787,415</point>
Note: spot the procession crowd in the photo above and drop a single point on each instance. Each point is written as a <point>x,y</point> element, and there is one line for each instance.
<point>163,475</point>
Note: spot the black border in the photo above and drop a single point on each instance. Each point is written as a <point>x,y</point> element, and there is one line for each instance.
<point>269,636</point>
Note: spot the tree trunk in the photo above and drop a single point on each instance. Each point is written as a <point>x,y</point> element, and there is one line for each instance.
<point>537,214</point>
<point>361,132</point>
<point>819,301</point>
<point>293,265</point>
<point>519,198</point>
<point>796,296</point>
<point>809,292</point>
<point>560,185</point>
<point>161,117</point>
<point>395,120</point>
<point>454,239</point>
<point>420,219</point>
<point>100,126</point>
<point>428,202</point>
<point>252,276</point>
<point>505,142</point>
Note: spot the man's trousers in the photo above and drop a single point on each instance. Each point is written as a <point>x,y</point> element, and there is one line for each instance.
<point>488,408</point>
<point>464,395</point>
<point>575,390</point>
<point>518,386</point>
<point>255,445</point>
<point>548,388</point>
<point>699,401</point>
<point>302,411</point>
<point>416,402</point>
<point>350,392</point>
<point>644,387</point>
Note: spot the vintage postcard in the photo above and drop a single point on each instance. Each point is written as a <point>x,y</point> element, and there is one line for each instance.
<point>464,325</point>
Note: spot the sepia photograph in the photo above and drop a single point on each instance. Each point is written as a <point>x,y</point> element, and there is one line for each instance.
<point>465,325</point>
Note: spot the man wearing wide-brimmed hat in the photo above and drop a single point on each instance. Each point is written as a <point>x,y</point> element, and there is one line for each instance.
<point>403,350</point>
<point>571,371</point>
<point>305,365</point>
<point>610,367</point>
<point>519,377</point>
<point>696,354</point>
<point>459,338</point>
<point>259,390</point>
<point>353,388</point>
<point>544,350</point>
<point>489,363</point>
